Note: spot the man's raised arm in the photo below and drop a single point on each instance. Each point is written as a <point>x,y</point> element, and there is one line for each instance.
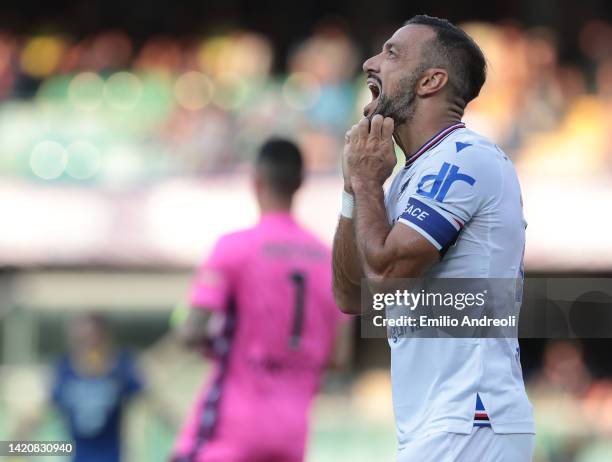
<point>385,252</point>
<point>346,268</point>
<point>347,271</point>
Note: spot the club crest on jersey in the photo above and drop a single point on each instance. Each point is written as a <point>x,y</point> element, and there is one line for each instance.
<point>436,186</point>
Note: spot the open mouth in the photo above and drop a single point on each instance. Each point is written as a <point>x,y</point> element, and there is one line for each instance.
<point>374,85</point>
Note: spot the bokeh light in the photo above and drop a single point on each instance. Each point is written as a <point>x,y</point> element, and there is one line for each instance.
<point>244,53</point>
<point>193,90</point>
<point>157,102</point>
<point>86,91</point>
<point>161,55</point>
<point>123,90</point>
<point>83,160</point>
<point>48,160</point>
<point>41,56</point>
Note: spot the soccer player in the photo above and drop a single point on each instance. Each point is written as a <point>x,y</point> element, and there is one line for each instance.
<point>91,387</point>
<point>455,399</point>
<point>262,305</point>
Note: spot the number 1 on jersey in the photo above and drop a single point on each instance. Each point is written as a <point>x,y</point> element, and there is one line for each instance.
<point>299,280</point>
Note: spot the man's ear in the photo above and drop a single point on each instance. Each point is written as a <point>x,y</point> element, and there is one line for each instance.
<point>432,81</point>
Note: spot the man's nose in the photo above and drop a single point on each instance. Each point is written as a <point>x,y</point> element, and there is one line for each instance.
<point>370,65</point>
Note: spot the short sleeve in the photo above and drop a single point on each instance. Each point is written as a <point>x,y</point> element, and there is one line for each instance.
<point>211,286</point>
<point>447,193</point>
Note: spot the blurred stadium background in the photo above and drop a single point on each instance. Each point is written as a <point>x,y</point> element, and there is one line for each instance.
<point>126,132</point>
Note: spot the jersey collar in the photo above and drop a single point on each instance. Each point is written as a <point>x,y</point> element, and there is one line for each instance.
<point>276,216</point>
<point>433,141</point>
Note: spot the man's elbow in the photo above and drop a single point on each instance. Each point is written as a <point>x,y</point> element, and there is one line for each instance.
<point>400,269</point>
<point>347,303</point>
<point>349,308</point>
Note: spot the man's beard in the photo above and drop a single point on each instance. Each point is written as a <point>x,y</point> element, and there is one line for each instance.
<point>401,107</point>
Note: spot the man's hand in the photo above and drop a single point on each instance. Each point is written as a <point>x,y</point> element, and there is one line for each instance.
<point>384,251</point>
<point>200,328</point>
<point>369,156</point>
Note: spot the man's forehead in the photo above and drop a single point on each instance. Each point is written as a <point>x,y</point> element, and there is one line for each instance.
<point>410,35</point>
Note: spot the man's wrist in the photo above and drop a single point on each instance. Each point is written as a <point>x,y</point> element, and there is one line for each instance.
<point>364,185</point>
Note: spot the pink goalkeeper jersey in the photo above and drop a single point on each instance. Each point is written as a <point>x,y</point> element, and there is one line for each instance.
<point>273,282</point>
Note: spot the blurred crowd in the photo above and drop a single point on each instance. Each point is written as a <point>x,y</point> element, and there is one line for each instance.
<point>572,406</point>
<point>106,109</point>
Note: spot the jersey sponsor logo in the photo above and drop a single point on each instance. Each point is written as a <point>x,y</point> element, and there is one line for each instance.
<point>441,182</point>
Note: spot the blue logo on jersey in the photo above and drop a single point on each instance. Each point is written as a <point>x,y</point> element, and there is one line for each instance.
<point>459,145</point>
<point>442,181</point>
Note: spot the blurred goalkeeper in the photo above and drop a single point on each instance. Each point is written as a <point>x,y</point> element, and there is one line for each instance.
<point>262,307</point>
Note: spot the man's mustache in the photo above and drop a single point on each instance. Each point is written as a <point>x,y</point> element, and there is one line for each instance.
<point>375,77</point>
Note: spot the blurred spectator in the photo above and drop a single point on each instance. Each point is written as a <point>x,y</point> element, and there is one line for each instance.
<point>572,408</point>
<point>93,383</point>
<point>563,370</point>
<point>555,395</point>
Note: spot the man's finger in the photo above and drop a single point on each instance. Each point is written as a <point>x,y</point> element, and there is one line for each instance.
<point>387,128</point>
<point>363,128</point>
<point>351,134</point>
<point>376,126</point>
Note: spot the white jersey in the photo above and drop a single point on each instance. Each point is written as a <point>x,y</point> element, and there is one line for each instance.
<point>461,193</point>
